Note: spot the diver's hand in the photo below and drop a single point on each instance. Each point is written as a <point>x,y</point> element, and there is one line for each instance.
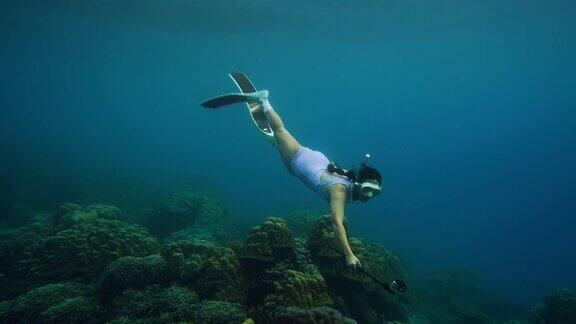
<point>352,261</point>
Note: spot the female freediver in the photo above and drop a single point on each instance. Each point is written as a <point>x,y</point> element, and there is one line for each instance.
<point>334,184</point>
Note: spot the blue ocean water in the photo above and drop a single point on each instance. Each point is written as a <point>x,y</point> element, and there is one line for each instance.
<point>467,108</point>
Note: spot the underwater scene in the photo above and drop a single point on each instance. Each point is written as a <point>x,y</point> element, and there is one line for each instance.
<point>259,161</point>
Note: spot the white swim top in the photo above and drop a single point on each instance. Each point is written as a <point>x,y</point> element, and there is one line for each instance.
<point>312,168</point>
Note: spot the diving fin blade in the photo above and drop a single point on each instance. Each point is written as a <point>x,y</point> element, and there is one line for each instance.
<point>224,100</point>
<point>242,81</point>
<point>232,98</point>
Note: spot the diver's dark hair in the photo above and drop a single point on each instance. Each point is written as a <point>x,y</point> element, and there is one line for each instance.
<point>367,172</point>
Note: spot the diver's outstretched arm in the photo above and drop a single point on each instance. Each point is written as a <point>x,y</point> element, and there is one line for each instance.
<point>337,202</point>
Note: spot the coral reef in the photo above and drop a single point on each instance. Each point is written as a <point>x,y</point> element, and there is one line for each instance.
<point>322,241</point>
<point>201,273</point>
<point>155,304</point>
<point>267,253</point>
<point>86,249</point>
<point>302,261</point>
<point>15,245</point>
<point>194,235</point>
<point>74,310</point>
<point>48,303</point>
<point>362,297</point>
<point>315,315</point>
<point>70,214</point>
<point>297,289</point>
<point>475,318</point>
<point>133,272</point>
<point>216,312</point>
<point>556,308</point>
<point>272,241</point>
<point>213,271</point>
<point>104,211</point>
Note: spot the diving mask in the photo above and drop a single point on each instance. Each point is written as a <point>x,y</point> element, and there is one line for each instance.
<point>370,189</point>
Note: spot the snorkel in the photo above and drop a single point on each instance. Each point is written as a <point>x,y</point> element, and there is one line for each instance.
<point>365,160</point>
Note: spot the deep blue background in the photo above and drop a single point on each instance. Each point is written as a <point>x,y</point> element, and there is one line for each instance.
<point>466,106</point>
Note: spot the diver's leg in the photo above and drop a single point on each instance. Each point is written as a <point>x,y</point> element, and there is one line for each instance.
<point>287,145</point>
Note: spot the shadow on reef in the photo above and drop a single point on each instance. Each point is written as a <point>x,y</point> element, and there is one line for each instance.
<point>86,264</point>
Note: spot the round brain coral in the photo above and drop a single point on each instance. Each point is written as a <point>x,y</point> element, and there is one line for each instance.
<point>270,242</point>
<point>299,290</point>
